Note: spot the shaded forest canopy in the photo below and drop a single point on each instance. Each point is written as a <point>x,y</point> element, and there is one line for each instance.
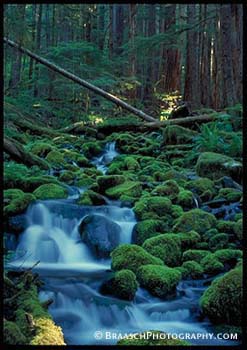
<point>153,56</point>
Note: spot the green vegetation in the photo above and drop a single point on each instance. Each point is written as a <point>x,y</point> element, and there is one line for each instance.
<point>50,191</point>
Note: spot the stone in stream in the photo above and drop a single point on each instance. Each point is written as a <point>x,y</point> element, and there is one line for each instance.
<point>100,234</point>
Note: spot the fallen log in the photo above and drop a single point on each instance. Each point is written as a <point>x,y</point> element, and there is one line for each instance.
<point>182,121</point>
<point>80,81</point>
<point>19,154</point>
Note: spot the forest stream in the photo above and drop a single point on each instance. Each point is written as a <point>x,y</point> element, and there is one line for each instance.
<point>72,275</point>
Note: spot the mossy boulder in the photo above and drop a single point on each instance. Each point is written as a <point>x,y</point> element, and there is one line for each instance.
<point>168,189</point>
<point>229,256</point>
<point>67,176</point>
<point>201,186</point>
<point>192,269</point>
<point>101,234</point>
<point>131,257</point>
<point>72,156</point>
<point>123,285</point>
<point>195,254</point>
<point>84,180</point>
<point>174,134</point>
<point>185,199</point>
<point>41,149</point>
<point>211,264</point>
<point>189,239</point>
<point>16,201</point>
<point>215,166</point>
<point>131,164</point>
<point>167,247</point>
<point>225,226</point>
<point>108,181</point>
<point>146,229</point>
<point>160,281</point>
<point>195,219</point>
<point>56,159</point>
<point>12,334</point>
<point>151,338</point>
<point>91,149</point>
<point>230,194</point>
<point>90,197</point>
<point>222,301</point>
<point>50,191</point>
<point>218,241</point>
<point>132,189</point>
<point>238,229</point>
<point>152,207</point>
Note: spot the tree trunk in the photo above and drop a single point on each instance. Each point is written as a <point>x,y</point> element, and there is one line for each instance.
<point>82,82</point>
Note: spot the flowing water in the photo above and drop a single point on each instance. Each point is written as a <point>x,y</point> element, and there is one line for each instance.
<point>73,276</point>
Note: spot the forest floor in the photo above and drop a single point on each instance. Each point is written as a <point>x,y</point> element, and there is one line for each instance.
<point>184,185</point>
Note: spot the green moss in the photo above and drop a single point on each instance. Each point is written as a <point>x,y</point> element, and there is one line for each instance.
<point>128,188</point>
<point>108,181</point>
<point>12,334</point>
<point>72,156</point>
<point>131,257</point>
<point>238,229</point>
<point>152,207</point>
<point>200,186</point>
<point>194,254</point>
<point>167,247</point>
<point>151,338</point>
<point>174,134</point>
<point>218,241</point>
<point>195,219</point>
<point>222,301</point>
<point>193,269</point>
<point>67,176</point>
<point>211,264</point>
<point>146,229</point>
<point>50,191</point>
<point>176,211</point>
<point>215,166</point>
<point>189,239</point>
<point>123,285</point>
<point>131,164</point>
<point>56,159</point>
<point>230,194</point>
<point>83,180</point>
<point>169,188</point>
<point>185,198</point>
<point>41,149</point>
<point>90,197</point>
<point>16,201</point>
<point>91,149</point>
<point>225,226</point>
<point>231,256</point>
<point>160,281</point>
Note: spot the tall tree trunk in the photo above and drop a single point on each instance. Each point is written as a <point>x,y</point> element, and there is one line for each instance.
<point>38,44</point>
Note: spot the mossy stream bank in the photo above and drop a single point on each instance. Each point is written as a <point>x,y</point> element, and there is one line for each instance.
<point>102,260</point>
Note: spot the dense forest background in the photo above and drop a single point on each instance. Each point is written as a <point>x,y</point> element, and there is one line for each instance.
<point>152,55</point>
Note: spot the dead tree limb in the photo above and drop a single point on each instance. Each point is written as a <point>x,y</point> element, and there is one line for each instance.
<point>80,81</point>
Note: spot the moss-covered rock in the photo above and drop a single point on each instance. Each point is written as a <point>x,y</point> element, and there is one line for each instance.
<point>132,189</point>
<point>195,254</point>
<point>195,219</point>
<point>215,166</point>
<point>90,197</point>
<point>16,201</point>
<point>123,285</point>
<point>152,207</point>
<point>146,229</point>
<point>222,301</point>
<point>225,226</point>
<point>41,149</point>
<point>151,338</point>
<point>192,269</point>
<point>219,241</point>
<point>200,186</point>
<point>108,181</point>
<point>67,176</point>
<point>174,134</point>
<point>72,156</point>
<point>91,149</point>
<point>131,164</point>
<point>185,198</point>
<point>167,247</point>
<point>56,159</point>
<point>131,257</point>
<point>168,189</point>
<point>211,265</point>
<point>50,191</point>
<point>84,180</point>
<point>230,194</point>
<point>238,229</point>
<point>189,239</point>
<point>229,256</point>
<point>160,281</point>
<point>12,334</point>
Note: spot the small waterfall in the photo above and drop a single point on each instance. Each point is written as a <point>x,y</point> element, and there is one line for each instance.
<point>104,159</point>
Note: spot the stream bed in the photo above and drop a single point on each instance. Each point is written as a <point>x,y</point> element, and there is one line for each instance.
<point>72,276</point>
